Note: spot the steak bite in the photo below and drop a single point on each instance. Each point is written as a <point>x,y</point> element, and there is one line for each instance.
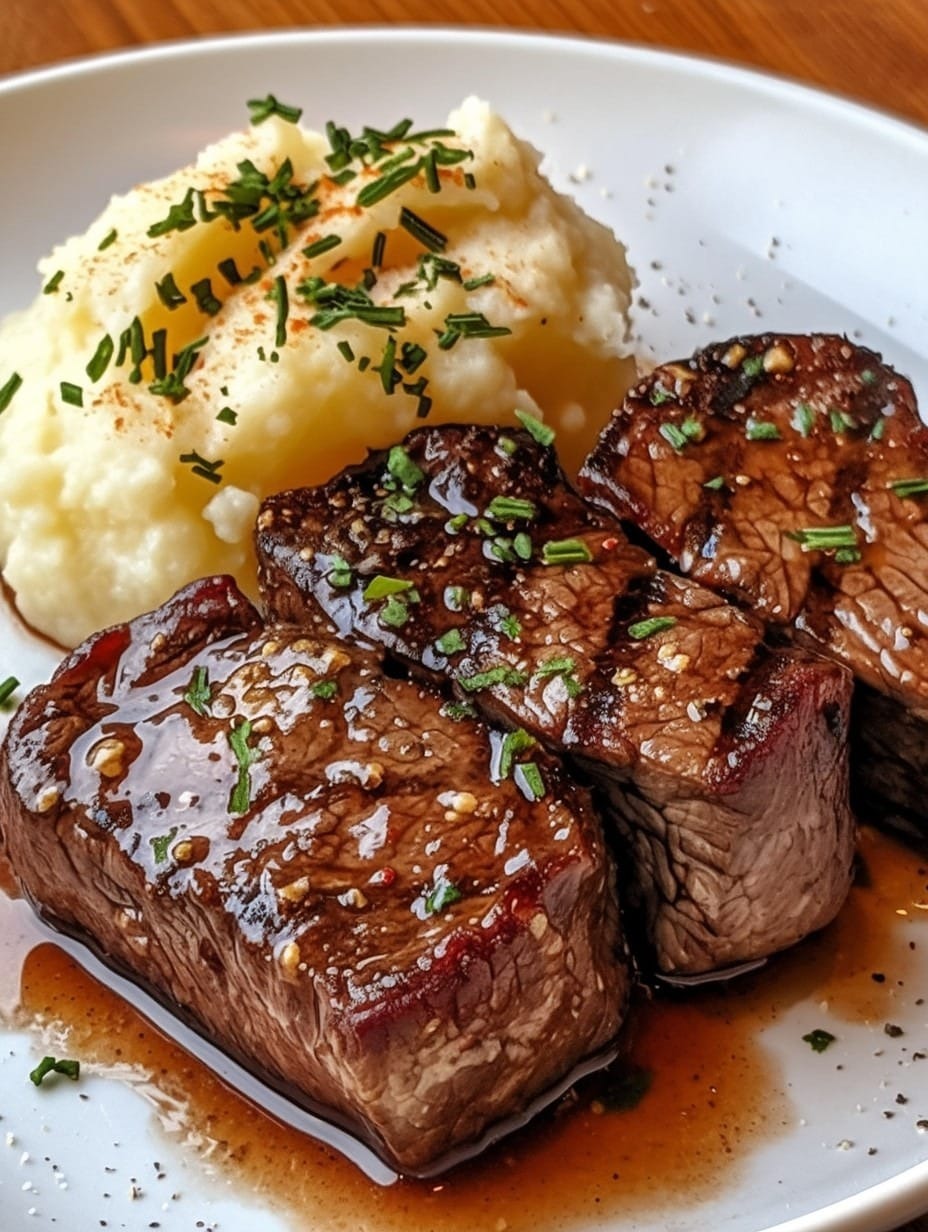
<point>328,873</point>
<point>790,473</point>
<point>464,553</point>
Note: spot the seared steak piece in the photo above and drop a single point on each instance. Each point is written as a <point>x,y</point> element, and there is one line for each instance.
<point>465,553</point>
<point>791,473</point>
<point>321,867</point>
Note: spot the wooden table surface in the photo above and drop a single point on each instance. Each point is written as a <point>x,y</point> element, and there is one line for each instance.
<point>875,51</point>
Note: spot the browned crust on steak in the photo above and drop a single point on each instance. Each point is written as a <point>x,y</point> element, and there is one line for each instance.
<point>294,922</point>
<point>697,717</point>
<point>837,430</point>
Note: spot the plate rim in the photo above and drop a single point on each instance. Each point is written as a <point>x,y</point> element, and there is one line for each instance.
<point>906,1192</point>
<point>533,41</point>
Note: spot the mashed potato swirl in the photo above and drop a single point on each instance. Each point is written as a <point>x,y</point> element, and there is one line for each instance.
<point>259,319</point>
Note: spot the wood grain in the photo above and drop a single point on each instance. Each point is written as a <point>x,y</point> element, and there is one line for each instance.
<point>875,52</point>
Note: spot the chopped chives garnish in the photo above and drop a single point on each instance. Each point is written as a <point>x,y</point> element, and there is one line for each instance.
<point>451,642</point>
<point>659,395</point>
<point>483,280</point>
<point>506,508</point>
<point>876,432</point>
<point>564,666</point>
<point>495,675</point>
<point>753,365</point>
<point>825,538</point>
<point>536,429</point>
<point>674,437</point>
<point>108,240</point>
<point>8,389</point>
<point>340,574</point>
<point>847,556</point>
<point>228,416</point>
<point>469,180</point>
<point>468,325</point>
<point>642,629</point>
<point>430,168</point>
<point>868,376</point>
<point>456,598</point>
<point>910,487</point>
<point>522,546</point>
<point>282,300</point>
<point>380,244</point>
<point>201,467</point>
<point>171,386</point>
<point>819,1039</point>
<point>53,283</point>
<point>401,466</point>
<point>161,843</point>
<point>180,217</point>
<point>240,799</point>
<point>528,773</point>
<point>344,348</point>
<point>394,612</point>
<point>384,185</point>
<point>72,394</point>
<point>412,356</point>
<point>48,1065</point>
<point>715,484</point>
<point>229,271</point>
<point>169,293</point>
<point>389,377</point>
<point>761,430</point>
<point>101,358</point>
<point>7,688</point>
<point>380,587</point>
<point>326,244</point>
<point>159,343</point>
<point>840,421</point>
<point>458,711</point>
<point>260,109</point>
<point>513,743</point>
<point>428,236</point>
<point>199,695</point>
<point>565,552</point>
<point>441,896</point>
<point>803,419</point>
<point>324,690</point>
<point>202,292</point>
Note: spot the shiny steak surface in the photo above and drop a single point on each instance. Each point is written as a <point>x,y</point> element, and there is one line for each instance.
<point>333,877</point>
<point>466,555</point>
<point>790,473</point>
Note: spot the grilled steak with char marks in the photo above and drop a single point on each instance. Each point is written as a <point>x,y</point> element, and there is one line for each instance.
<point>320,867</point>
<point>465,553</point>
<point>791,474</point>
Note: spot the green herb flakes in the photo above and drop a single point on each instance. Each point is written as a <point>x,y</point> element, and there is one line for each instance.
<point>261,109</point>
<point>643,629</point>
<point>199,694</point>
<point>907,488</point>
<point>245,756</point>
<point>451,642</point>
<point>8,389</point>
<point>566,552</point>
<point>381,587</point>
<point>49,1065</point>
<point>161,845</point>
<point>7,688</point>
<point>72,394</point>
<point>503,675</point>
<point>441,896</point>
<point>761,430</point>
<point>537,430</point>
<point>819,1039</point>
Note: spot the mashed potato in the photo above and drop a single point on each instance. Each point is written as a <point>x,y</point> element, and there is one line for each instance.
<point>261,318</point>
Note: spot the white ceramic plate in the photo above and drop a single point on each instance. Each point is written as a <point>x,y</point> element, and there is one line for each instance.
<point>747,203</point>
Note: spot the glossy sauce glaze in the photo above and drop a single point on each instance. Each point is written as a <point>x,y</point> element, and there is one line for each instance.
<point>705,1106</point>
